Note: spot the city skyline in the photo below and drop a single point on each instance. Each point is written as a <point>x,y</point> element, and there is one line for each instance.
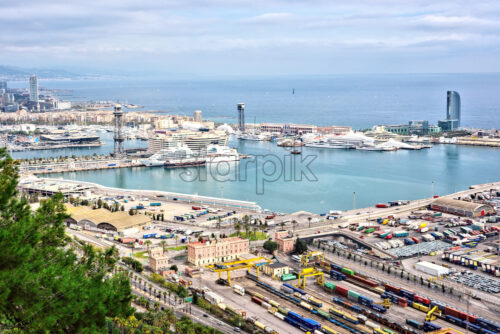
<point>272,37</point>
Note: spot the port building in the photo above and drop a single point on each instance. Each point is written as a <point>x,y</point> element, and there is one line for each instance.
<point>102,219</point>
<point>208,252</point>
<point>462,208</point>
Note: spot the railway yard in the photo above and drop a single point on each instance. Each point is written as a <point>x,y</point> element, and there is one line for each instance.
<point>359,273</point>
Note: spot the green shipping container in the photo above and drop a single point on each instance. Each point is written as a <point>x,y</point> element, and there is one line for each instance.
<point>370,230</point>
<point>348,271</point>
<point>330,286</point>
<point>323,314</point>
<point>352,293</point>
<point>361,228</point>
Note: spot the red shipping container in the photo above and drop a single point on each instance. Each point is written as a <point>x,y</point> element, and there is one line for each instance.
<point>421,300</point>
<point>472,318</point>
<point>402,302</point>
<point>451,311</point>
<point>257,301</point>
<point>391,288</point>
<point>341,291</point>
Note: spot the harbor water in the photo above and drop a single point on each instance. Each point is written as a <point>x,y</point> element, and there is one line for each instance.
<point>373,176</point>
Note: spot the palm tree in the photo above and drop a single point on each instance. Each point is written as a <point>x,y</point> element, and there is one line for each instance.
<point>255,231</point>
<point>165,296</point>
<point>150,288</point>
<point>140,281</point>
<point>309,220</point>
<point>148,243</point>
<point>282,225</point>
<point>237,227</point>
<point>294,224</point>
<point>246,226</point>
<point>176,239</point>
<point>163,245</point>
<point>217,225</point>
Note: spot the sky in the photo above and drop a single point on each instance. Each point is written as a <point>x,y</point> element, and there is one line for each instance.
<point>252,37</point>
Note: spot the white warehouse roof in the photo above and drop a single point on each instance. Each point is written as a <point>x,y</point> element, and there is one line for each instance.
<point>431,268</point>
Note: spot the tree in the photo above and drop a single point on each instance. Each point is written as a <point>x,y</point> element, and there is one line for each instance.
<point>45,286</point>
<point>163,245</point>
<point>270,246</point>
<point>174,268</point>
<point>148,244</point>
<point>237,227</point>
<point>294,224</point>
<point>282,225</point>
<point>299,246</point>
<point>309,220</point>
<point>131,212</point>
<point>217,224</point>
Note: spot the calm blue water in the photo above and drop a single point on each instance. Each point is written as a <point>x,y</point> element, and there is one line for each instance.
<point>374,176</point>
<point>357,100</point>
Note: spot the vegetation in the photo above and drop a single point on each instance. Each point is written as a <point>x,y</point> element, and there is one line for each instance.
<point>270,246</point>
<point>133,263</point>
<point>177,248</point>
<point>251,235</point>
<point>158,322</point>
<point>299,247</point>
<point>141,255</point>
<point>45,286</point>
<point>179,290</point>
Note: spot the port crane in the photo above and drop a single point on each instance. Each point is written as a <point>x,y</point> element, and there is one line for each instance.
<point>305,258</point>
<point>227,267</point>
<point>386,303</point>
<point>433,312</point>
<point>310,272</point>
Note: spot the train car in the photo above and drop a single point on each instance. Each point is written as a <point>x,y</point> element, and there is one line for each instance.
<point>420,307</point>
<point>315,302</point>
<point>279,315</point>
<point>328,330</point>
<point>378,308</point>
<point>307,306</point>
<point>302,323</point>
<point>302,292</point>
<point>422,300</point>
<point>348,271</point>
<point>283,310</point>
<point>257,300</point>
<point>414,324</point>
<point>336,267</point>
<point>259,325</point>
<point>286,289</point>
<point>322,314</point>
<point>488,325</point>
<point>274,303</point>
<point>378,331</point>
<point>329,286</point>
<point>429,327</point>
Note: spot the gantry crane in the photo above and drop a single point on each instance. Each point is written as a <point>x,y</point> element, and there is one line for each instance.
<point>304,259</point>
<point>227,267</point>
<point>433,312</point>
<point>309,272</point>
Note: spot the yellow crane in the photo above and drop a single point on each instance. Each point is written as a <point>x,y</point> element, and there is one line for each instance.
<point>310,272</point>
<point>433,312</point>
<point>386,303</point>
<point>227,267</point>
<point>446,331</point>
<point>304,259</point>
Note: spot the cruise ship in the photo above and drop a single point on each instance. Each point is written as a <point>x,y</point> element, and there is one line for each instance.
<point>183,156</point>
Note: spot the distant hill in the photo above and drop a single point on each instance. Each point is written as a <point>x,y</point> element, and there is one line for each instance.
<point>19,73</point>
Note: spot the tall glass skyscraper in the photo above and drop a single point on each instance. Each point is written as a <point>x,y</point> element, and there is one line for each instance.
<point>33,88</point>
<point>453,108</point>
<point>452,121</point>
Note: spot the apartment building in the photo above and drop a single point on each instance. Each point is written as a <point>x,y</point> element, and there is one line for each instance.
<point>207,252</point>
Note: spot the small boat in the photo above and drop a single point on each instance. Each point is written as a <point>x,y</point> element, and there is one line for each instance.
<point>295,152</point>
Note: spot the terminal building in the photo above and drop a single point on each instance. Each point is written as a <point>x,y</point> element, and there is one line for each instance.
<point>420,128</point>
<point>462,208</point>
<point>209,252</point>
<point>102,219</point>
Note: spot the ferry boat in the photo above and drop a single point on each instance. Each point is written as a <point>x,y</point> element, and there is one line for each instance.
<point>333,145</point>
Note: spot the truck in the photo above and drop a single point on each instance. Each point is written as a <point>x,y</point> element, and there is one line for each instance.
<point>400,234</point>
<point>155,204</point>
<point>149,236</point>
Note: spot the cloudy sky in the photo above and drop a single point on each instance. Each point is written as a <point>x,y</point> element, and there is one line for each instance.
<point>257,37</point>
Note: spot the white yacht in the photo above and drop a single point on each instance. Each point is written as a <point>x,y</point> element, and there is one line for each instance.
<point>218,153</point>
